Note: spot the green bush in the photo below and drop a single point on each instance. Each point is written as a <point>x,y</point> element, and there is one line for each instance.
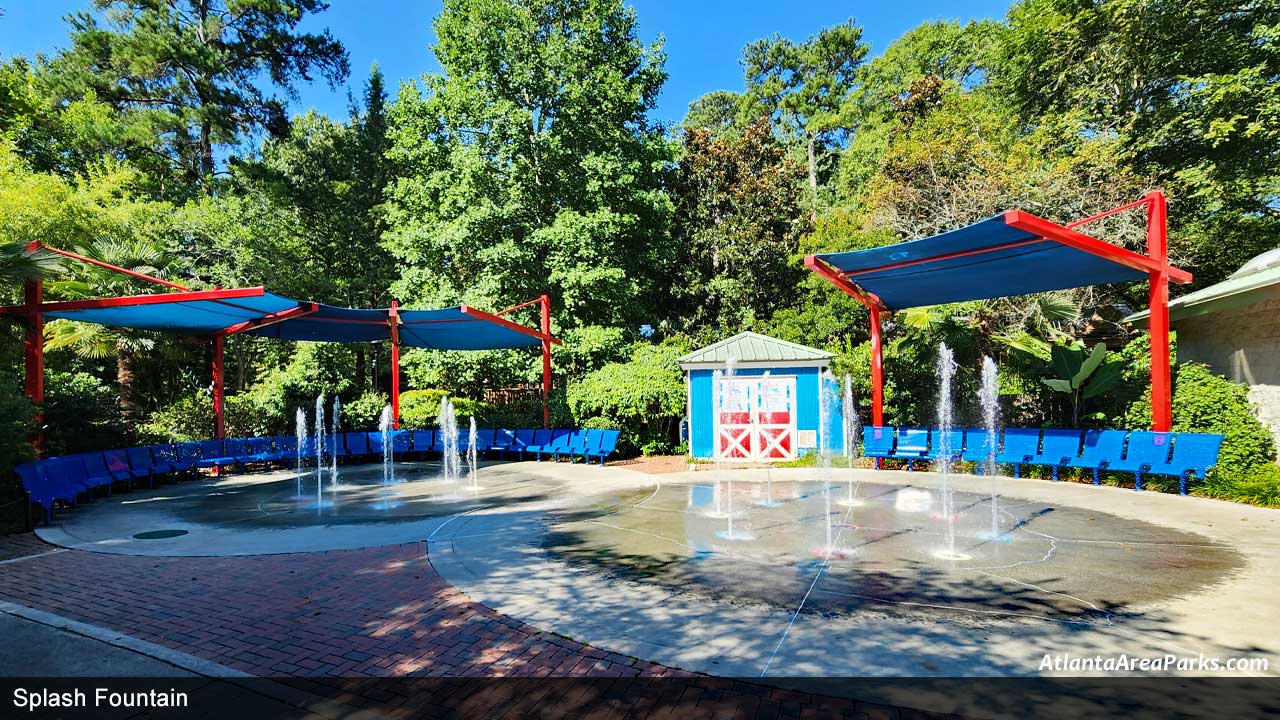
<point>1208,403</point>
<point>191,419</point>
<point>16,416</point>
<point>81,413</point>
<point>420,408</point>
<point>644,398</point>
<point>365,412</point>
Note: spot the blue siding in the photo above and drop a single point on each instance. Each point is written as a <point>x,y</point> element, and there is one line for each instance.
<point>701,415</point>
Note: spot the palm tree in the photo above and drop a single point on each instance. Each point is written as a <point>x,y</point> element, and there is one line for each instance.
<point>97,342</point>
<point>17,264</point>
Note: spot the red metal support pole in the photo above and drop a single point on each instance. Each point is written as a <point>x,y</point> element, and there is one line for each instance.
<point>877,370</point>
<point>1158,324</point>
<point>394,314</point>
<point>33,353</point>
<point>545,305</point>
<point>218,386</point>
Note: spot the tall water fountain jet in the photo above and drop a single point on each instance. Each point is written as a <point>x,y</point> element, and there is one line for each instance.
<point>448,423</point>
<point>768,500</point>
<point>852,432</point>
<point>386,422</point>
<point>717,406</point>
<point>319,450</point>
<point>334,438</point>
<point>824,458</point>
<point>989,398</point>
<point>946,369</point>
<point>300,430</point>
<point>471,455</point>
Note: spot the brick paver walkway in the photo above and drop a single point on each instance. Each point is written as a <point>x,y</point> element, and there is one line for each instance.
<point>337,616</point>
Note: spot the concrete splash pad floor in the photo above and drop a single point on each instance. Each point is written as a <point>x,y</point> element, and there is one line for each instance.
<point>653,570</point>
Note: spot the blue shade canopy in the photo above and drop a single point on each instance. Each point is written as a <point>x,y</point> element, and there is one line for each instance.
<point>194,317</point>
<point>987,259</point>
<point>444,329</point>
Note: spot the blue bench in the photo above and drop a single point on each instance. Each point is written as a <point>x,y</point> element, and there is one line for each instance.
<point>913,445</point>
<point>1101,449</point>
<point>606,443</point>
<point>951,440</point>
<point>980,447</point>
<point>1193,454</point>
<point>1057,449</point>
<point>422,441</point>
<point>1020,445</point>
<point>877,442</point>
<point>524,438</point>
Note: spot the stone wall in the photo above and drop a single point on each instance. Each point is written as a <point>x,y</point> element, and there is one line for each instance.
<point>1244,345</point>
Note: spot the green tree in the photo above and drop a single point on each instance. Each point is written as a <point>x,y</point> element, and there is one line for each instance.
<point>529,164</point>
<point>806,84</point>
<point>188,72</point>
<point>737,224</point>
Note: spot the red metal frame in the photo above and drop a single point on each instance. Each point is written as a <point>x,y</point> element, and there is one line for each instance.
<point>219,390</point>
<point>116,268</point>
<point>292,313</point>
<point>133,300</point>
<point>393,319</point>
<point>1155,263</point>
<point>544,303</point>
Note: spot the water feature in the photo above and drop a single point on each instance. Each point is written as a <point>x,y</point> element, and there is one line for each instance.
<point>300,429</point>
<point>471,455</point>
<point>334,437</point>
<point>946,369</point>
<point>852,432</point>
<point>989,399</point>
<point>448,423</point>
<point>319,429</point>
<point>386,423</point>
<point>824,461</point>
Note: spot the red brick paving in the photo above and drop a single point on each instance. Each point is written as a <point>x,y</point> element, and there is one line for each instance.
<point>338,616</point>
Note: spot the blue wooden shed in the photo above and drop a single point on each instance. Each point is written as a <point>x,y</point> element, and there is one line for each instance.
<point>755,398</point>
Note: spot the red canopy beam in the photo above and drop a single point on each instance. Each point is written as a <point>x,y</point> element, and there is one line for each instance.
<point>115,268</point>
<point>292,313</point>
<point>132,300</point>
<point>1094,246</point>
<point>875,305</point>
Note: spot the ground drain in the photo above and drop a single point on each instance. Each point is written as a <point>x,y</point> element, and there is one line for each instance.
<point>158,534</point>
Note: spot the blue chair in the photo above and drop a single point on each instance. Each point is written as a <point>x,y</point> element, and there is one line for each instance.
<point>423,440</point>
<point>259,451</point>
<point>172,458</point>
<point>575,445</point>
<point>72,474</point>
<point>524,438</point>
<point>189,455</point>
<point>99,473</point>
<point>1193,453</point>
<point>1058,448</point>
<point>553,441</point>
<point>503,441</point>
<point>1145,450</point>
<point>44,494</point>
<point>356,444</point>
<point>608,442</point>
<point>913,445</point>
<point>1020,445</point>
<point>143,464</point>
<point>1101,449</point>
<point>485,439</point>
<point>374,441</point>
<point>117,462</point>
<point>216,454</point>
<point>877,442</point>
<point>953,440</point>
<point>55,476</point>
<point>980,447</point>
<point>401,442</point>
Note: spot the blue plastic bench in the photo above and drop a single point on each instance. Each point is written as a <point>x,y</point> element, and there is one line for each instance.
<point>43,493</point>
<point>980,447</point>
<point>99,473</point>
<point>422,441</point>
<point>556,442</point>
<point>1193,454</point>
<point>607,443</point>
<point>503,441</point>
<point>485,439</point>
<point>355,444</point>
<point>1058,448</point>
<point>1145,450</point>
<point>877,442</point>
<point>143,464</point>
<point>1020,445</point>
<point>401,442</point>
<point>376,446</point>
<point>524,438</point>
<point>953,441</point>
<point>189,455</point>
<point>576,444</point>
<point>170,456</point>
<point>1101,449</point>
<point>913,445</point>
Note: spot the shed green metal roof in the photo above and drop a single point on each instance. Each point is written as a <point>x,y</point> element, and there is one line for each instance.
<point>1236,291</point>
<point>749,347</point>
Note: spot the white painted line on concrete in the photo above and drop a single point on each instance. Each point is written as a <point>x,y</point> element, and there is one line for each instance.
<point>33,557</point>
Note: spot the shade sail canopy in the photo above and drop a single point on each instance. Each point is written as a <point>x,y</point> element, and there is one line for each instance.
<point>443,329</point>
<point>265,314</point>
<point>988,259</point>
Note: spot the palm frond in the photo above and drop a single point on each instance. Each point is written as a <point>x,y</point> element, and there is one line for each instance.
<point>89,341</point>
<point>17,264</point>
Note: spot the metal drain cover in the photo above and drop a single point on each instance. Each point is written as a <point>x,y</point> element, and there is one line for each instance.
<point>158,534</point>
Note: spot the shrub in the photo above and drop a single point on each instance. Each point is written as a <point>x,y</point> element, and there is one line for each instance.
<point>191,419</point>
<point>1208,403</point>
<point>365,412</point>
<point>16,416</point>
<point>81,413</point>
<point>419,408</point>
<point>644,397</point>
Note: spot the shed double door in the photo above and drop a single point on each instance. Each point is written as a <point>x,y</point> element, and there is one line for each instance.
<point>755,418</point>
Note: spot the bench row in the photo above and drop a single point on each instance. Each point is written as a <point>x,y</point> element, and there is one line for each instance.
<point>1140,452</point>
<point>63,479</point>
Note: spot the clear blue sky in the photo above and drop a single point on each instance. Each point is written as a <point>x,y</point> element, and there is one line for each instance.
<point>704,38</point>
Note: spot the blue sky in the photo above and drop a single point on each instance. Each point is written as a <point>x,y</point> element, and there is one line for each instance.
<point>704,38</point>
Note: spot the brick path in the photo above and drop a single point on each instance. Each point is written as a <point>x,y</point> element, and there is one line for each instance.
<point>335,617</point>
